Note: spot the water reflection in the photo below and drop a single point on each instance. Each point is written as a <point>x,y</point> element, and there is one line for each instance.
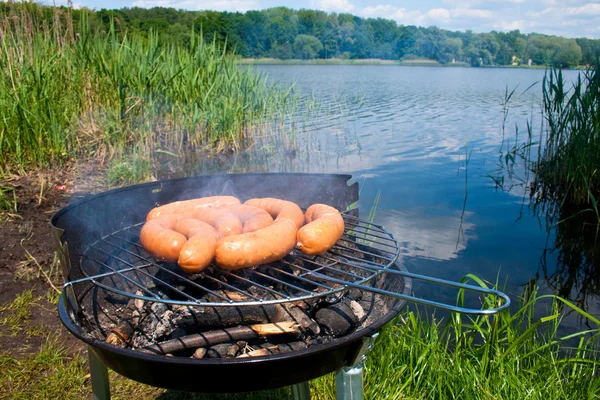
<point>574,244</point>
<point>433,237</point>
<point>569,261</point>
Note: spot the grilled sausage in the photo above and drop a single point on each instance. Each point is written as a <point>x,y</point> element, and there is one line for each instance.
<point>263,245</point>
<point>324,227</point>
<point>232,219</point>
<point>279,209</point>
<point>177,206</point>
<point>259,247</point>
<point>199,250</point>
<point>159,238</point>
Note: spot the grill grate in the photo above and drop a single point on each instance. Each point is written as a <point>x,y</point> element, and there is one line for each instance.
<point>118,263</point>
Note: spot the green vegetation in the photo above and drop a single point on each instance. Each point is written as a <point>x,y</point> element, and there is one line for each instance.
<point>508,356</point>
<point>558,169</point>
<point>569,159</point>
<point>48,374</point>
<point>70,90</point>
<point>283,33</point>
<point>14,314</point>
<point>8,200</point>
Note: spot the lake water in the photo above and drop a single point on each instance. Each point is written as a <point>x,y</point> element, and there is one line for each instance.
<point>405,134</point>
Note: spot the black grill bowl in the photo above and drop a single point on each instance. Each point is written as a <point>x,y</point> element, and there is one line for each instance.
<point>241,375</point>
<point>80,224</point>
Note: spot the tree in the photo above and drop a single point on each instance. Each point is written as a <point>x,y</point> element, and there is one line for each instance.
<point>307,47</point>
<point>590,51</point>
<point>450,49</point>
<point>568,54</point>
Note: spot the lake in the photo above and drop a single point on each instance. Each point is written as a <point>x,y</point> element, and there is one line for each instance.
<point>424,143</point>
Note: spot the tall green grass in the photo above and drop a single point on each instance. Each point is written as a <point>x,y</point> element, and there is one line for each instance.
<point>512,355</point>
<point>567,168</point>
<point>67,91</point>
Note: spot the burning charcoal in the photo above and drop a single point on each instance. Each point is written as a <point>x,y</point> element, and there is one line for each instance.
<point>233,350</point>
<point>199,353</point>
<point>218,350</point>
<point>299,315</point>
<point>224,317</point>
<point>164,326</point>
<point>158,308</point>
<point>122,334</point>
<point>220,336</point>
<point>337,319</point>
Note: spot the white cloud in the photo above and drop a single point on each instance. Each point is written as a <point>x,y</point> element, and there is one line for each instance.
<point>477,3</point>
<point>216,5</point>
<point>509,25</point>
<point>442,17</point>
<point>585,11</point>
<point>401,15</point>
<point>552,3</point>
<point>332,5</point>
<point>421,234</point>
<point>470,13</point>
<point>438,14</point>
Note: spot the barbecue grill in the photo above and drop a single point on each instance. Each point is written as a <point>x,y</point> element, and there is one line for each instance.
<point>105,266</point>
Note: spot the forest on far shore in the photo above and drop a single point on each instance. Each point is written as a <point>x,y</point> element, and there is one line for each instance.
<point>285,33</point>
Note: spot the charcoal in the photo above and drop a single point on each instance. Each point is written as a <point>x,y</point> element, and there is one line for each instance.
<point>337,319</point>
<point>218,350</point>
<point>291,346</point>
<point>233,350</point>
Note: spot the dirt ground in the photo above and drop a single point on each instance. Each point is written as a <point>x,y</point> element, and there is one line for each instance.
<point>30,274</point>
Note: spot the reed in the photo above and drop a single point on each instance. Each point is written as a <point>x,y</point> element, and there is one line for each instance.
<point>68,91</point>
<point>567,168</point>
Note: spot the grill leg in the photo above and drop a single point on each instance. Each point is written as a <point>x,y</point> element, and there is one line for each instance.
<point>349,383</point>
<point>301,391</point>
<point>99,374</point>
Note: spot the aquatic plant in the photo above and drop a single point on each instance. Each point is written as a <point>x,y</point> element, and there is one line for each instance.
<point>67,91</point>
<point>567,167</point>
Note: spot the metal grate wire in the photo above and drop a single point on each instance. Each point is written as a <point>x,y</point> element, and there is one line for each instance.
<point>118,263</point>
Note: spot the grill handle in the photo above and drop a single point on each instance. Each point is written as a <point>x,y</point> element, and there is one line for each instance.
<point>432,303</point>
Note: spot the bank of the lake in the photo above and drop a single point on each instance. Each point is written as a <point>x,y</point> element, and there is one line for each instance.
<point>376,61</point>
<point>341,61</point>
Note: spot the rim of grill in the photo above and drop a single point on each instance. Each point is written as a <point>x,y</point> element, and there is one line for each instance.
<point>118,263</point>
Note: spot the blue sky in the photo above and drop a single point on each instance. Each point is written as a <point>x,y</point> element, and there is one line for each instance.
<point>569,18</point>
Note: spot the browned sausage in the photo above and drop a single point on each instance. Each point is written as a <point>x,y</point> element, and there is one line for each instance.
<point>324,227</point>
<point>259,247</point>
<point>232,219</point>
<point>202,202</point>
<point>263,245</point>
<point>279,209</point>
<point>252,218</point>
<point>199,250</point>
<point>160,239</point>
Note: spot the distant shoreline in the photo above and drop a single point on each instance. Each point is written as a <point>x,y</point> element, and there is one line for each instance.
<point>341,61</point>
<point>373,61</point>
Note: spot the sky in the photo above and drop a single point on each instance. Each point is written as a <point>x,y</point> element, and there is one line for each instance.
<point>568,18</point>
